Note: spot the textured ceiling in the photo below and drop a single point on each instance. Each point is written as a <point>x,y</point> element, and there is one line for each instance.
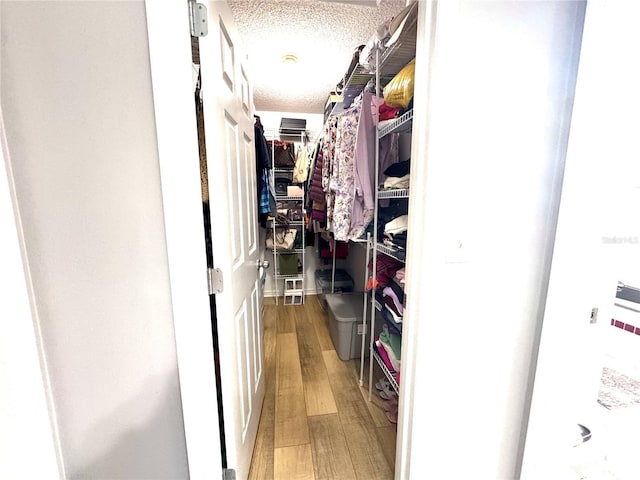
<point>323,35</point>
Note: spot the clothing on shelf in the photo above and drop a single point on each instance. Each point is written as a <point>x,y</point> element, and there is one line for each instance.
<point>390,305</point>
<point>383,354</point>
<point>391,296</point>
<point>386,268</point>
<point>387,353</point>
<point>387,113</point>
<point>387,34</point>
<point>396,182</point>
<point>397,225</point>
<point>398,169</point>
<point>389,318</point>
<point>392,343</point>
<point>376,43</point>
<point>395,208</point>
<point>403,23</point>
<point>397,240</point>
<point>397,288</point>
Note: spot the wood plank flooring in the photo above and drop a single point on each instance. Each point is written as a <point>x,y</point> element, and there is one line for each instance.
<point>316,422</point>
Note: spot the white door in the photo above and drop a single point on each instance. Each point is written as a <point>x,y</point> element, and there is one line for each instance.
<point>601,165</point>
<point>230,152</point>
<point>229,132</point>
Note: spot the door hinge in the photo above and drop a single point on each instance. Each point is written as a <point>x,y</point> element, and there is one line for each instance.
<point>214,279</point>
<point>198,19</point>
<point>228,474</point>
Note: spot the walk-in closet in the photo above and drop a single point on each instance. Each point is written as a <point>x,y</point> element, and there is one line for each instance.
<point>334,206</point>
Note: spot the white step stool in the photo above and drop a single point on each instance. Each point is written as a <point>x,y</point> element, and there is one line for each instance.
<point>293,291</point>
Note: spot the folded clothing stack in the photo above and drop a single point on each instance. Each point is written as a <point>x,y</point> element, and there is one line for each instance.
<point>396,207</point>
<point>386,268</point>
<point>398,170</point>
<point>387,346</point>
<point>392,344</point>
<point>394,298</point>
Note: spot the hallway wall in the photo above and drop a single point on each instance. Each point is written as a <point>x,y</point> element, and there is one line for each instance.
<point>79,117</point>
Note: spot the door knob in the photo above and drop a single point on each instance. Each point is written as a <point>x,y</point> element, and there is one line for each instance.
<point>262,263</point>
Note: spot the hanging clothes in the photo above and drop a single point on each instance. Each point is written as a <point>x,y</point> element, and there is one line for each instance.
<point>301,168</point>
<point>265,194</point>
<point>364,168</point>
<point>328,152</point>
<point>343,178</point>
<point>316,193</point>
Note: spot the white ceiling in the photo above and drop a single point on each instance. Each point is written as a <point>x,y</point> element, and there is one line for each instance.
<point>323,35</point>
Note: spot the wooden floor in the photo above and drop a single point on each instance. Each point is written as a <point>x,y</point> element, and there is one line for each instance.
<point>316,422</point>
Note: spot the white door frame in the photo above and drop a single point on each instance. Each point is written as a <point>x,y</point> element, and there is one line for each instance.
<point>27,416</point>
<point>410,338</point>
<point>171,72</point>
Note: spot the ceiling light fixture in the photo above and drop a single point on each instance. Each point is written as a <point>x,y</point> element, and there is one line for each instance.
<point>289,59</point>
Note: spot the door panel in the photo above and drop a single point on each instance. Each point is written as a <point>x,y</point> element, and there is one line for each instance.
<point>230,141</point>
<point>242,351</point>
<point>232,185</point>
<point>226,56</point>
<point>249,163</point>
<point>256,335</point>
<point>245,91</point>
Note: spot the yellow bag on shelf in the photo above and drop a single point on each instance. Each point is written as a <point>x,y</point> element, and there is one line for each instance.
<point>399,91</point>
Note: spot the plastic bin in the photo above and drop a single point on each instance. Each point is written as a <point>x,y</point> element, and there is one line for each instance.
<point>345,324</point>
<point>343,283</point>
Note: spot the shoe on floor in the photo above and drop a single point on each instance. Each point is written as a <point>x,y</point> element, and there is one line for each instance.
<point>383,384</point>
<point>387,394</point>
<point>390,405</point>
<point>392,416</point>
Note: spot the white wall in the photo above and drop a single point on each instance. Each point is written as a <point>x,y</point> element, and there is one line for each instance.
<point>499,91</point>
<point>356,263</point>
<point>78,111</point>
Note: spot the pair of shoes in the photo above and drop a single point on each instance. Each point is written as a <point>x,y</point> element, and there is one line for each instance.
<point>385,390</point>
<point>392,416</point>
<point>382,384</point>
<point>390,408</point>
<point>390,405</point>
